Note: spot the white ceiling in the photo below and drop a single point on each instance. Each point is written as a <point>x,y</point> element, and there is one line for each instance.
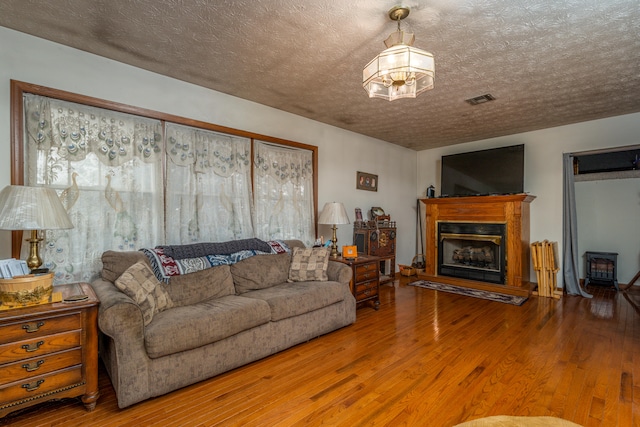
<point>547,62</point>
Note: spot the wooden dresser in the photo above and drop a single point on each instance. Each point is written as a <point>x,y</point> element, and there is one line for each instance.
<point>365,284</point>
<point>49,351</point>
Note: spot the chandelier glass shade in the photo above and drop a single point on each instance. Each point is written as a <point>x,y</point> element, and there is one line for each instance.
<point>400,71</point>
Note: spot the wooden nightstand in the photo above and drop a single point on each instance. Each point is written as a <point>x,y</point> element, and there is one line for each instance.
<point>365,284</point>
<point>50,351</point>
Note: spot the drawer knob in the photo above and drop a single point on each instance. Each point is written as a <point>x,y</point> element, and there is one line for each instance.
<point>34,366</point>
<point>32,386</point>
<point>32,347</point>
<point>33,326</point>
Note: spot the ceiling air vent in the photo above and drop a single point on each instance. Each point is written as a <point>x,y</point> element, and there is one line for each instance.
<point>480,99</point>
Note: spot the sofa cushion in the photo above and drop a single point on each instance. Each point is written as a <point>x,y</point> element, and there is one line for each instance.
<point>214,282</point>
<point>260,271</point>
<point>188,327</point>
<point>292,299</point>
<point>114,263</point>
<point>309,264</point>
<point>140,284</point>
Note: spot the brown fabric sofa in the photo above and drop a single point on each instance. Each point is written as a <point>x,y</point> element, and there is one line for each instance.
<point>223,317</point>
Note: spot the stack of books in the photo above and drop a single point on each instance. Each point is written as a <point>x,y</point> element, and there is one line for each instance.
<point>10,268</point>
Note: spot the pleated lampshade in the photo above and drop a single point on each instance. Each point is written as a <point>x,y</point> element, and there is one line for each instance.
<point>32,208</point>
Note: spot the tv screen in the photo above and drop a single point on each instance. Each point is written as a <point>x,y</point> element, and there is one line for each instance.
<point>485,172</point>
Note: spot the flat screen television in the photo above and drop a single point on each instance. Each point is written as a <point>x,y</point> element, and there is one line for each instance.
<point>495,171</point>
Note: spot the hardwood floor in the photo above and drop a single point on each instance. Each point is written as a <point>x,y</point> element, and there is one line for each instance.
<point>424,359</point>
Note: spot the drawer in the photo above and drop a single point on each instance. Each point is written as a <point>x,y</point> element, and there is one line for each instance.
<point>371,286</point>
<point>39,346</point>
<point>366,294</point>
<point>38,327</point>
<point>363,268</point>
<point>369,275</point>
<point>32,387</point>
<point>366,272</point>
<point>36,366</point>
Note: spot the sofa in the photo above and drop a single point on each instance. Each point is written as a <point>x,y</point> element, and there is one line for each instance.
<point>207,322</point>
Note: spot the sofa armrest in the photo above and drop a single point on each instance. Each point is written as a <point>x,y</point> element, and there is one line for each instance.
<point>120,318</point>
<point>118,314</point>
<point>339,272</point>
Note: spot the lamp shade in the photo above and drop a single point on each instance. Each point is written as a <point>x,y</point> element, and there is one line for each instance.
<point>32,208</point>
<point>333,213</point>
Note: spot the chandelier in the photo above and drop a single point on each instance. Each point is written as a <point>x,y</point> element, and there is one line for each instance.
<point>401,70</point>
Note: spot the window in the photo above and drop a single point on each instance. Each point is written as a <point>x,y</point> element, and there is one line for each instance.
<point>132,178</point>
<point>282,183</point>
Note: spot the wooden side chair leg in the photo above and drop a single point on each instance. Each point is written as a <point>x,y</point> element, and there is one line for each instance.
<point>636,277</point>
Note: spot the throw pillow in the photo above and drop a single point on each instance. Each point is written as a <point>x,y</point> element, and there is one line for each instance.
<point>140,284</point>
<point>309,264</point>
<point>192,288</point>
<point>260,272</point>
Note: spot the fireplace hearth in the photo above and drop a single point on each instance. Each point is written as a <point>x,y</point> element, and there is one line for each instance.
<point>472,251</point>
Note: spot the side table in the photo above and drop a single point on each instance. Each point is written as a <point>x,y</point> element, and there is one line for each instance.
<point>365,283</point>
<point>50,351</point>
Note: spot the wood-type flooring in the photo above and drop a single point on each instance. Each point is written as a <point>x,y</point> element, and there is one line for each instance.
<point>424,359</point>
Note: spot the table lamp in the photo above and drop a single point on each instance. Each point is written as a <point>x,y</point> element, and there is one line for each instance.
<point>32,208</point>
<point>333,213</point>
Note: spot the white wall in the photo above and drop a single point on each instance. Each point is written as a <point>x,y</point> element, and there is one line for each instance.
<point>608,217</point>
<point>620,199</point>
<point>341,153</point>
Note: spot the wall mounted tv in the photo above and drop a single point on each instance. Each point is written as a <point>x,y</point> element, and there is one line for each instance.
<point>485,172</point>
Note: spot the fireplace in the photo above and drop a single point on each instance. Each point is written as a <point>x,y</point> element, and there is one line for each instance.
<point>472,250</point>
<point>493,227</point>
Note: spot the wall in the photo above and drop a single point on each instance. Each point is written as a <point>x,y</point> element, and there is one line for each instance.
<point>607,210</point>
<point>608,213</point>
<point>341,153</point>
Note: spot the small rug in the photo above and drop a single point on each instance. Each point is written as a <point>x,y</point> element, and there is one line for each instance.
<point>476,293</point>
<point>507,421</point>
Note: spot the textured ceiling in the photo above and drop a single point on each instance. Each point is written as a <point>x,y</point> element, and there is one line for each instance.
<point>547,62</point>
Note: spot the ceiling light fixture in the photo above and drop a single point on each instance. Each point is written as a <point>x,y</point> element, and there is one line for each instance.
<point>401,70</point>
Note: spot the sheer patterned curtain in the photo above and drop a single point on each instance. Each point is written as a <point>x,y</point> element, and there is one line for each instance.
<point>107,169</point>
<point>208,186</point>
<point>283,193</point>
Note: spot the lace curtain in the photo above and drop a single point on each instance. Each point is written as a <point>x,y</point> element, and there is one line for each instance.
<point>283,193</point>
<point>130,182</point>
<point>107,169</point>
<point>208,186</point>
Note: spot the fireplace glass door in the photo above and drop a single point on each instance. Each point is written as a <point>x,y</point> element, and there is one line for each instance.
<point>474,251</point>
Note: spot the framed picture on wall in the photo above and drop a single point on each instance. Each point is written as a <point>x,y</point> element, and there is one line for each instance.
<point>366,181</point>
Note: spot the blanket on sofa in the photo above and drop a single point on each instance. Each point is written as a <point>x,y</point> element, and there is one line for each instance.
<point>165,266</point>
<point>196,250</point>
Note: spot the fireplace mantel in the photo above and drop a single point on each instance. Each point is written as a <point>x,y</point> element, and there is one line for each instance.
<point>511,210</point>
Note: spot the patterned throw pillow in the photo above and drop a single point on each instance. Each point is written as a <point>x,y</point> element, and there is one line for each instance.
<point>140,284</point>
<point>309,264</point>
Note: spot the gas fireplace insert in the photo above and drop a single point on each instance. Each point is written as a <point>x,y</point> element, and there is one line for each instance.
<point>472,250</point>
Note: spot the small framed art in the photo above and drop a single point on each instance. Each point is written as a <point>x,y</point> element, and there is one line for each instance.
<point>349,252</point>
<point>366,181</point>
